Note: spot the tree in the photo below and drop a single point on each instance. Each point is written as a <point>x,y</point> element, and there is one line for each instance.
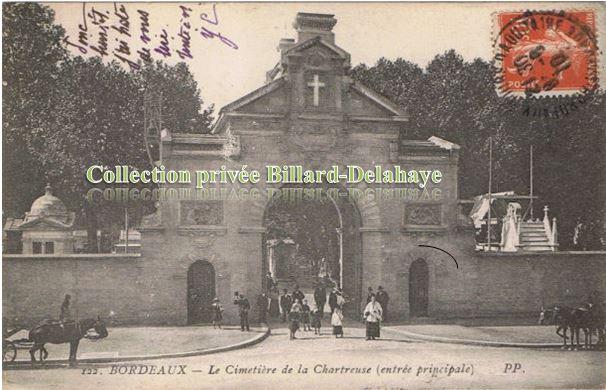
<point>181,102</point>
<point>64,113</point>
<point>97,119</point>
<point>401,81</point>
<point>456,100</point>
<point>31,53</point>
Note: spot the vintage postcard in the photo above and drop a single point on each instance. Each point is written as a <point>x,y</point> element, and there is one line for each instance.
<point>303,195</point>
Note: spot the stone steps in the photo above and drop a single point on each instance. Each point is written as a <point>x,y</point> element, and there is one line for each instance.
<point>533,237</point>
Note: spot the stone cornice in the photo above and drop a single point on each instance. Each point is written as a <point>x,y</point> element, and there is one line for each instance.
<point>362,118</point>
<point>221,229</point>
<point>374,229</point>
<point>252,229</point>
<point>420,229</point>
<point>72,256</point>
<point>253,115</point>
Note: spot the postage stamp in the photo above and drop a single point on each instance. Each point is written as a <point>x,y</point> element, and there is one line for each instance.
<point>546,53</point>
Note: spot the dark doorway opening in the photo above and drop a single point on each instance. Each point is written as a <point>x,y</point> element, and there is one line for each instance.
<point>313,239</point>
<point>200,292</point>
<point>418,288</point>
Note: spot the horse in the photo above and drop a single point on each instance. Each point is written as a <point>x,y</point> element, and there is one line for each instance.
<point>562,318</point>
<point>592,320</point>
<point>59,333</point>
<point>589,319</point>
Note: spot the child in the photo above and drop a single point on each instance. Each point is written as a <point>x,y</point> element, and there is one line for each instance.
<point>294,316</point>
<point>337,322</point>
<point>305,316</point>
<point>217,310</point>
<point>316,316</point>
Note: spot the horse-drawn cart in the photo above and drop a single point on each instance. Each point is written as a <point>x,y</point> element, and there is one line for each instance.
<point>10,347</point>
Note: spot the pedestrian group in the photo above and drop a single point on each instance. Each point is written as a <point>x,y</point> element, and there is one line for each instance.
<point>295,309</point>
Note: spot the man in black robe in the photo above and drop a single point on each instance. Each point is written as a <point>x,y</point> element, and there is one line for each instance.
<point>262,306</point>
<point>243,308</point>
<point>285,304</point>
<point>383,299</point>
<point>320,298</point>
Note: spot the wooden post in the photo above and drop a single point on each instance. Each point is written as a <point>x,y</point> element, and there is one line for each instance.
<point>531,185</point>
<point>489,189</point>
<point>554,235</point>
<point>126,229</point>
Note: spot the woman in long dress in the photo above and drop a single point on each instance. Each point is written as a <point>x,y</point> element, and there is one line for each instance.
<point>337,322</point>
<point>274,305</point>
<point>373,314</point>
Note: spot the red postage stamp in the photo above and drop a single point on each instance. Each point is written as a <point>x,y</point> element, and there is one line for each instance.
<point>545,53</point>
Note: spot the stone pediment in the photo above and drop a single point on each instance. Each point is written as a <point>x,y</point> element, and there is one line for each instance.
<point>316,47</point>
<point>264,99</point>
<point>310,82</point>
<point>365,102</point>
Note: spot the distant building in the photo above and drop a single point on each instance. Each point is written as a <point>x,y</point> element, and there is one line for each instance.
<point>46,229</point>
<point>134,242</point>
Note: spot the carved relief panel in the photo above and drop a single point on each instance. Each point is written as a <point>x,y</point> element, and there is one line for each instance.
<point>196,213</point>
<point>423,215</point>
<point>314,135</point>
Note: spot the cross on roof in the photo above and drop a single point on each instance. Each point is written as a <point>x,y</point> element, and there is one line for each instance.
<point>316,85</point>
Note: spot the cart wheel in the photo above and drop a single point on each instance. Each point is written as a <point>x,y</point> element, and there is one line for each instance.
<point>9,352</point>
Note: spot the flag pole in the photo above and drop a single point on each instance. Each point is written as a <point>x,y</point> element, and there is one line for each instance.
<point>126,229</point>
<point>531,187</point>
<point>489,190</point>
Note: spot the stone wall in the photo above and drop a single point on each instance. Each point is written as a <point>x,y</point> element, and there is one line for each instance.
<point>33,286</point>
<point>133,289</point>
<point>489,284</point>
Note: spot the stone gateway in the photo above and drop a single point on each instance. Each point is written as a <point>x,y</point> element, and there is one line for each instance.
<point>311,113</point>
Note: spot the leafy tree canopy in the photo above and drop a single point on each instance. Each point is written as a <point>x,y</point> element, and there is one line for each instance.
<point>456,99</point>
<point>63,113</point>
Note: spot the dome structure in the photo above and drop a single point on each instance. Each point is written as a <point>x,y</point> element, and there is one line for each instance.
<point>47,229</point>
<point>48,204</point>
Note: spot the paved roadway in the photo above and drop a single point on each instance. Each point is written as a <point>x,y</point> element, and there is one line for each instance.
<point>484,367</point>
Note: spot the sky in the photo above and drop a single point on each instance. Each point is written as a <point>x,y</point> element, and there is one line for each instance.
<point>368,31</point>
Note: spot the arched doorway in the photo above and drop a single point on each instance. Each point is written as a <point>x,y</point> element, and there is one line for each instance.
<point>313,237</point>
<point>418,288</point>
<point>200,292</point>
